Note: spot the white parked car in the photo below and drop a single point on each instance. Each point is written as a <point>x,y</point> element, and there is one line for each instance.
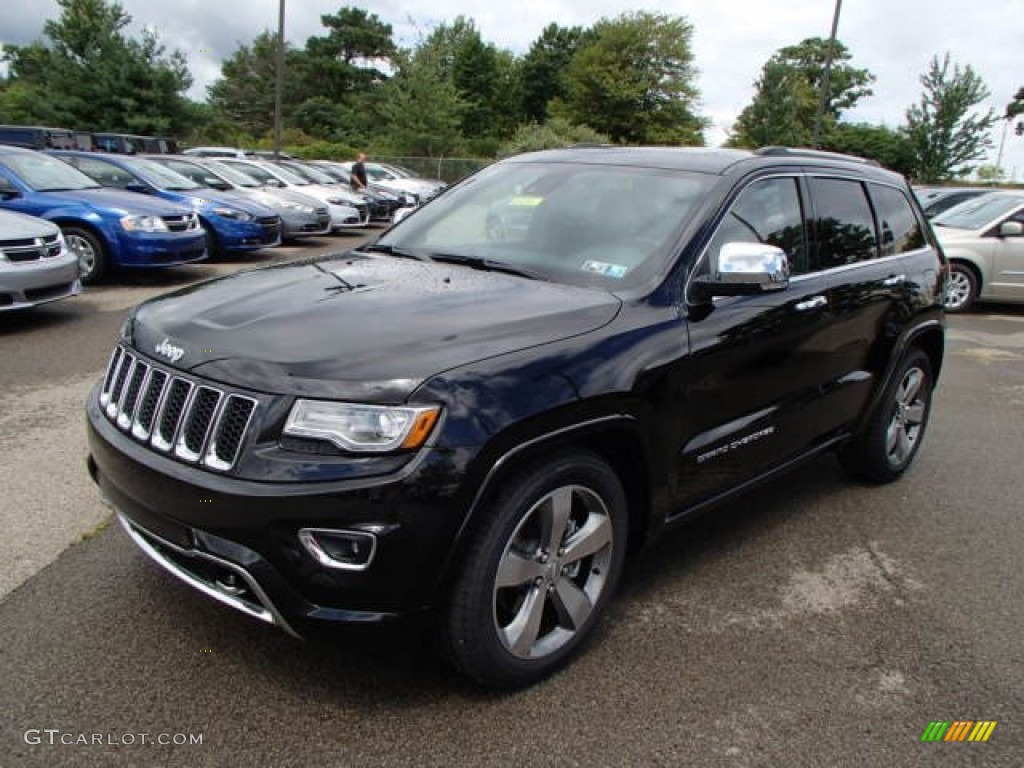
<point>984,241</point>
<point>344,213</point>
<point>35,265</point>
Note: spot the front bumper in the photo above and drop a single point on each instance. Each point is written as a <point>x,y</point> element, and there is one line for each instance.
<point>235,235</point>
<point>160,249</point>
<point>31,283</point>
<point>295,224</point>
<point>237,540</point>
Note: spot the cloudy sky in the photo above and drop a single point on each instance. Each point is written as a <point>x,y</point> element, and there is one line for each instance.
<point>894,39</point>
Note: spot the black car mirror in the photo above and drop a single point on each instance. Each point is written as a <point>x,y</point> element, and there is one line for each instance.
<point>138,187</point>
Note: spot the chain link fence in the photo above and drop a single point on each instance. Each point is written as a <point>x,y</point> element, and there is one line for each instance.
<point>449,169</point>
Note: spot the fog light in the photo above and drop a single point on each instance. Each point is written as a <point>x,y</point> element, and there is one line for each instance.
<point>345,550</point>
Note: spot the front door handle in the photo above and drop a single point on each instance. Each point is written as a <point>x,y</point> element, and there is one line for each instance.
<point>811,303</point>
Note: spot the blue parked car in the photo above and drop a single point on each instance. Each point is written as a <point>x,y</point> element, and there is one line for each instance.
<point>232,221</point>
<point>104,228</point>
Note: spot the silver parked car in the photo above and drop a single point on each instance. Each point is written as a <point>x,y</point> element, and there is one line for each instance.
<point>35,265</point>
<point>984,241</point>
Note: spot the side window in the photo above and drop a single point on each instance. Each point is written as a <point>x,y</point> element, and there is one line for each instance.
<point>768,211</point>
<point>844,229</point>
<point>899,228</point>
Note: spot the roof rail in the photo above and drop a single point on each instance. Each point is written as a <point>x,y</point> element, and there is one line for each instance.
<point>821,153</point>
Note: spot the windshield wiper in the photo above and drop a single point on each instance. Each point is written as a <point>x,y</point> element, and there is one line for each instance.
<point>391,250</point>
<point>490,265</point>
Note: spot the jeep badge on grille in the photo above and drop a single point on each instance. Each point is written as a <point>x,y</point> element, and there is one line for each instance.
<point>168,350</point>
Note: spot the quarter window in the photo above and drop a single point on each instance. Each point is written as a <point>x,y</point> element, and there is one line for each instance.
<point>900,229</point>
<point>844,228</point>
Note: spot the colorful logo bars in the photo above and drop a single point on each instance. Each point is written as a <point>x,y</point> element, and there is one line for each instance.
<point>958,730</point>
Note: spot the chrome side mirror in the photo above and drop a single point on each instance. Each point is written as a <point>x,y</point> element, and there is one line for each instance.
<point>1011,229</point>
<point>744,269</point>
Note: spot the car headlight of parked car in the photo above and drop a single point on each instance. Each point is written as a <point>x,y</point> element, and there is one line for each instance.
<point>362,428</point>
<point>233,213</point>
<point>143,224</point>
<point>299,207</point>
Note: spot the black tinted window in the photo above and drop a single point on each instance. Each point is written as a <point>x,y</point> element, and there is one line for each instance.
<point>844,227</point>
<point>768,211</point>
<point>899,227</point>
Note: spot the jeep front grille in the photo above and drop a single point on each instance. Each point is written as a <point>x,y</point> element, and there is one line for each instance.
<point>175,414</point>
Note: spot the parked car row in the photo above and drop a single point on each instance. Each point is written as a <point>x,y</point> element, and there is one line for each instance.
<point>39,137</point>
<point>138,210</point>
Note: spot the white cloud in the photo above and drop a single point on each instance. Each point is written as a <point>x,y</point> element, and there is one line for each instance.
<point>895,40</point>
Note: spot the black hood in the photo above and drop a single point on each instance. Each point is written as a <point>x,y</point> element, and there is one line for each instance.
<point>367,327</point>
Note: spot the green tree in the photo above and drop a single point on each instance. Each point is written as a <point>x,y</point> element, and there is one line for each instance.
<point>421,107</point>
<point>634,81</point>
<point>89,74</point>
<point>543,67</point>
<point>786,96</point>
<point>244,94</point>
<point>946,135</point>
<point>887,146</point>
<point>553,134</point>
<point>348,59</point>
<point>1015,109</point>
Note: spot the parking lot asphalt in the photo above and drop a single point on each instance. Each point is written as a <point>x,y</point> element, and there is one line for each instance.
<point>813,623</point>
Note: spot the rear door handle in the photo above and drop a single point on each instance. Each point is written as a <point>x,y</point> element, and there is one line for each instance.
<point>811,303</point>
<point>894,280</point>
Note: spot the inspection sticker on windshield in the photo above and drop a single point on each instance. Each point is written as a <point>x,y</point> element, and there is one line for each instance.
<point>608,270</point>
<point>528,202</point>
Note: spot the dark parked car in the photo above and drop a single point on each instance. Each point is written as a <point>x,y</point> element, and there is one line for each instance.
<point>36,137</point>
<point>105,228</point>
<point>232,221</point>
<point>481,429</point>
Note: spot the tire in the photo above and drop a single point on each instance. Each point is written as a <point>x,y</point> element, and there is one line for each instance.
<point>212,244</point>
<point>539,572</point>
<point>962,289</point>
<point>93,260</point>
<point>890,440</point>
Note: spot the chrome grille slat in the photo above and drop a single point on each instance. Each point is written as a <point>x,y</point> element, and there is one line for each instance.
<point>108,382</point>
<point>175,414</point>
<point>178,396</point>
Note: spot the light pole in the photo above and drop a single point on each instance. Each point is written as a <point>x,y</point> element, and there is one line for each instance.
<point>279,80</point>
<point>823,96</point>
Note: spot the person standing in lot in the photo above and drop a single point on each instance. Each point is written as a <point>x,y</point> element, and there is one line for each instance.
<point>358,177</point>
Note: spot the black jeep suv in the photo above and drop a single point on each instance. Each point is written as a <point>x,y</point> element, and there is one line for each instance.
<point>480,413</point>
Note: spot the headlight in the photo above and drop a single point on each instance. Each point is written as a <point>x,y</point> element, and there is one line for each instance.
<point>299,207</point>
<point>362,428</point>
<point>143,224</point>
<point>232,213</point>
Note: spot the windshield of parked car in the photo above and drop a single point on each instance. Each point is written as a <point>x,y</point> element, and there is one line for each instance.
<point>159,176</point>
<point>583,224</point>
<point>44,173</point>
<point>231,174</point>
<point>313,174</point>
<point>376,173</point>
<point>979,212</point>
<point>284,174</point>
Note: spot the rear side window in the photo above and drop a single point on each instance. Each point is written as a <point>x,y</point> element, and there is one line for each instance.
<point>843,226</point>
<point>900,230</point>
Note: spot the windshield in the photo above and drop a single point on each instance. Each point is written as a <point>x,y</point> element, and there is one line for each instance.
<point>335,172</point>
<point>234,175</point>
<point>377,173</point>
<point>582,224</point>
<point>313,174</point>
<point>160,176</point>
<point>44,173</point>
<point>979,212</point>
<point>258,172</point>
<point>283,174</point>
